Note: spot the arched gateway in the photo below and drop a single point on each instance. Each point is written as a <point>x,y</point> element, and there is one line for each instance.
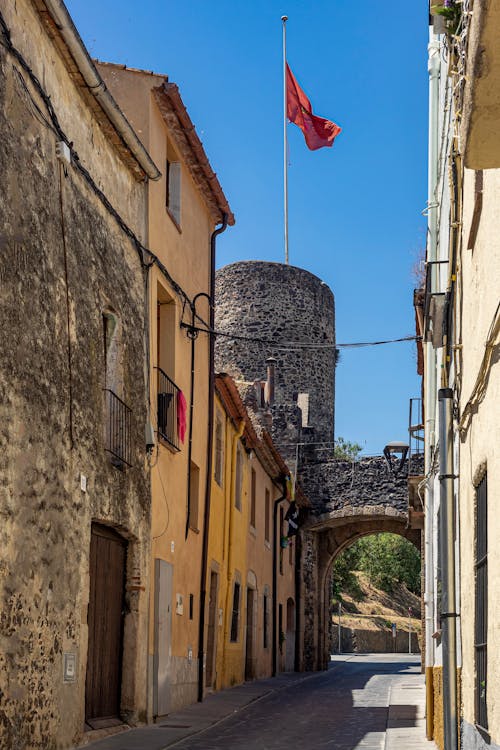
<point>349,500</point>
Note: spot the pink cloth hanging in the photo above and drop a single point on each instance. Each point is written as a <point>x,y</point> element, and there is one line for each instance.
<point>181,416</point>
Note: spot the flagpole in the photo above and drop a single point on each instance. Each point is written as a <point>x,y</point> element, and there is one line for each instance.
<point>285,143</point>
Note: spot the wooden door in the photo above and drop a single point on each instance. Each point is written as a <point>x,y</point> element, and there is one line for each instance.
<point>212,630</point>
<point>105,626</point>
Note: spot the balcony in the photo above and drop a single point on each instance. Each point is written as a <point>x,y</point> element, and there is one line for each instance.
<point>118,430</point>
<point>167,409</point>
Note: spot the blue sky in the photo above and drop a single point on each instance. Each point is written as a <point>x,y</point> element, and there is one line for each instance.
<point>355,209</point>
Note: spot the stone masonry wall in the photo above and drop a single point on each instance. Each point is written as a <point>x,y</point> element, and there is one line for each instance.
<point>52,404</point>
<point>280,305</point>
<point>367,482</point>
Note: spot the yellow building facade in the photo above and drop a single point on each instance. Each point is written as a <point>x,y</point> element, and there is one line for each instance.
<point>184,207</point>
<point>245,637</point>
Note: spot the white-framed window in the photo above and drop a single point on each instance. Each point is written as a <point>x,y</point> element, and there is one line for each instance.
<point>173,185</point>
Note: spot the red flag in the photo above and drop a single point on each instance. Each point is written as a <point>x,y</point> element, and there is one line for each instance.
<point>318,132</point>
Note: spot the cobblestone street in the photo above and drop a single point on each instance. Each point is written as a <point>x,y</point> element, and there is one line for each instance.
<point>369,702</point>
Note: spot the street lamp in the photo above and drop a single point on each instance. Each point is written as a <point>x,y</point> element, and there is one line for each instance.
<point>396,448</point>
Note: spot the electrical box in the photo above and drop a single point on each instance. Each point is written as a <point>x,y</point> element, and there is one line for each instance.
<point>63,152</point>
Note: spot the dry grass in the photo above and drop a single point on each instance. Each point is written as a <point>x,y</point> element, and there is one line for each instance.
<point>377,609</point>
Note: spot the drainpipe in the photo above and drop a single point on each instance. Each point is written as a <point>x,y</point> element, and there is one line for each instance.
<point>447,539</point>
<point>208,481</point>
<point>232,497</point>
<point>97,87</point>
<point>430,374</point>
<point>275,578</point>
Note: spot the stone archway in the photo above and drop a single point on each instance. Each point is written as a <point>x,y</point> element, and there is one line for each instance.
<point>323,539</point>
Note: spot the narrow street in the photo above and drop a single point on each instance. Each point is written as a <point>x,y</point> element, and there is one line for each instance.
<point>364,702</point>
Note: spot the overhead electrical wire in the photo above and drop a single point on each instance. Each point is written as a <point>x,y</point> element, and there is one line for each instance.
<point>291,345</point>
<point>53,124</point>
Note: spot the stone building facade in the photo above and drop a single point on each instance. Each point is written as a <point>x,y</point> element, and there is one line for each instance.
<point>74,489</point>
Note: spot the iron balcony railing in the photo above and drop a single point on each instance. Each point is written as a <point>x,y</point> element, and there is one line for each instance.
<point>167,409</point>
<point>416,438</point>
<point>118,430</point>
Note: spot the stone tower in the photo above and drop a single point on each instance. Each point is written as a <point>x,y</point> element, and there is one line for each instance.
<point>291,314</point>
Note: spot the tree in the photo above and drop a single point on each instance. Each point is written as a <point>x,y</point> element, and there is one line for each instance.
<point>386,559</point>
<point>346,450</point>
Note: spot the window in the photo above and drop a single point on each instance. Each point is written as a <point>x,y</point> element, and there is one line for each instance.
<point>265,612</point>
<point>267,513</point>
<point>165,331</point>
<point>303,404</point>
<point>253,498</point>
<point>112,352</point>
<point>238,479</point>
<point>117,415</point>
<point>167,391</point>
<point>290,551</point>
<point>194,496</point>
<point>191,606</point>
<point>481,602</point>
<point>280,538</point>
<point>219,451</point>
<point>235,617</point>
<point>173,185</point>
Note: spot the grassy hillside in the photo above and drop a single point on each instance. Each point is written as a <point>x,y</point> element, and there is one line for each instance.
<point>366,607</point>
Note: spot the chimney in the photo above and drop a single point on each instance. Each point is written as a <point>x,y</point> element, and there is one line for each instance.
<point>269,386</point>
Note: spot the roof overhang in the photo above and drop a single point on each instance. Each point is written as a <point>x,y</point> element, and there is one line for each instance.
<point>183,132</point>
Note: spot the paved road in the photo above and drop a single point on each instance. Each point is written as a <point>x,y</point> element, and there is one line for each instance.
<point>366,702</point>
<point>342,709</point>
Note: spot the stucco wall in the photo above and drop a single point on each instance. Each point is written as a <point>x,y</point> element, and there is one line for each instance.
<point>479,282</point>
<point>52,407</point>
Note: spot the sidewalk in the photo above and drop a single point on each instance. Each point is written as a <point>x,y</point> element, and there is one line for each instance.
<point>405,721</point>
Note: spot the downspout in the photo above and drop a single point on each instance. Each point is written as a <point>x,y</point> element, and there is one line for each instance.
<point>298,594</point>
<point>232,494</point>
<point>97,87</point>
<point>430,374</point>
<point>208,482</point>
<point>447,539</point>
<point>192,333</point>
<point>275,579</point>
